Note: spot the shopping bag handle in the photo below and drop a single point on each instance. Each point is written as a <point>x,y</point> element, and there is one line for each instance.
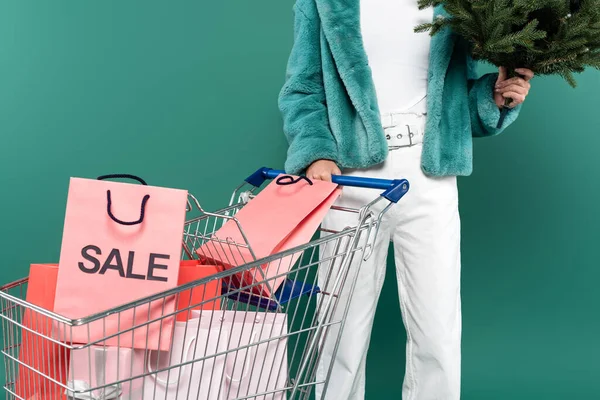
<point>185,359</point>
<point>165,382</point>
<point>246,366</point>
<point>394,189</point>
<point>122,176</point>
<point>109,199</point>
<point>111,392</point>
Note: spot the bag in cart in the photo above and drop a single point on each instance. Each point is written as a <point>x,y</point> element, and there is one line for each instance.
<point>196,297</point>
<point>191,369</point>
<point>120,242</point>
<point>285,214</point>
<point>38,356</point>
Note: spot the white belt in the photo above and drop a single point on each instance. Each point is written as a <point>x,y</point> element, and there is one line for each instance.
<point>403,130</point>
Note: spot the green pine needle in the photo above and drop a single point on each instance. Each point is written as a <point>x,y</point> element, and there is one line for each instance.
<point>546,36</point>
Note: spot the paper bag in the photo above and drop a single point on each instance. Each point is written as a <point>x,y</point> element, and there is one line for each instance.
<point>280,217</point>
<point>121,242</point>
<point>37,350</point>
<point>200,297</point>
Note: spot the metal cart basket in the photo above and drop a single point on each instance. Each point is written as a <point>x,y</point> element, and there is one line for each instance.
<point>244,340</point>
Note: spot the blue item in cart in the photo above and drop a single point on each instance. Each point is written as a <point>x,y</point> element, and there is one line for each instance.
<point>287,292</point>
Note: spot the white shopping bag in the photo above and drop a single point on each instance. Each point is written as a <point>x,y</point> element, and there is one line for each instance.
<point>106,370</point>
<point>216,355</point>
<point>222,355</point>
<point>193,368</point>
<point>256,361</point>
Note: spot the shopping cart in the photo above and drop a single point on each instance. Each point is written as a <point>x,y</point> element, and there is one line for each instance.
<point>239,344</point>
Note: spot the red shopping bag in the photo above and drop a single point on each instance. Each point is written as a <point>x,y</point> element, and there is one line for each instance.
<point>121,242</point>
<point>207,296</point>
<point>52,359</point>
<point>280,217</point>
<point>37,351</point>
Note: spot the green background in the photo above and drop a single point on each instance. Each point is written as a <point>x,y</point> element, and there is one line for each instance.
<point>184,94</point>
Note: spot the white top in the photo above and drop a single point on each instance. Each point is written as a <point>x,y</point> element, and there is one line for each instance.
<point>398,57</point>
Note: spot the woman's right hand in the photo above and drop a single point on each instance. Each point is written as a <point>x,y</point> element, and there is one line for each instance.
<point>322,170</point>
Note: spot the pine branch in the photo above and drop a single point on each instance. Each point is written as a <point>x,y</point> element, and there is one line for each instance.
<point>547,36</point>
<point>568,76</point>
<point>524,38</point>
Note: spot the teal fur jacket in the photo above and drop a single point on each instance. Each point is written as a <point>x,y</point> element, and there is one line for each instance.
<point>329,105</point>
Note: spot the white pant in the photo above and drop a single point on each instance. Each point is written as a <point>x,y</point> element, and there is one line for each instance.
<point>425,229</point>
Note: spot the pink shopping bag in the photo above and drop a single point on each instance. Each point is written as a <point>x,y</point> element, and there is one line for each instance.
<point>121,242</point>
<point>280,217</point>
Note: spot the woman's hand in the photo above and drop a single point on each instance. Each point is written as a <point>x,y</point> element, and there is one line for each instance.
<point>322,170</point>
<point>513,88</point>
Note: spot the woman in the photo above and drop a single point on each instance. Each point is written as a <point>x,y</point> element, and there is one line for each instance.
<point>366,96</point>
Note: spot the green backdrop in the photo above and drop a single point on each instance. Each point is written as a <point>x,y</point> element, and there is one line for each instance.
<point>184,94</point>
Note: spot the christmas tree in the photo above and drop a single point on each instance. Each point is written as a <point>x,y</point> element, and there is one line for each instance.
<point>547,36</point>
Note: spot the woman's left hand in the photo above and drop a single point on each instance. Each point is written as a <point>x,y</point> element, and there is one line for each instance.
<point>515,88</point>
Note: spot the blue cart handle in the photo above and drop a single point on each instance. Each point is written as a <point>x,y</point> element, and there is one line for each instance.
<point>394,189</point>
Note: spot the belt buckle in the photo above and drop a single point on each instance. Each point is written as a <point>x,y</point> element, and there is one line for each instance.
<point>410,137</point>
